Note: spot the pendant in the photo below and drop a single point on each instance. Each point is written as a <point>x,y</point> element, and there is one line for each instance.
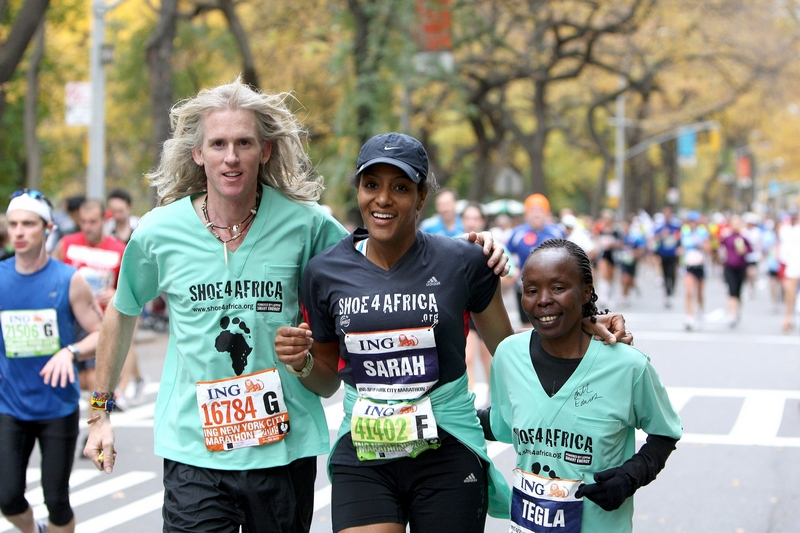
<point>235,228</point>
<point>225,248</point>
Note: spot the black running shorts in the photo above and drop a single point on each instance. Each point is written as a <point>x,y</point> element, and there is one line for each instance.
<point>442,490</point>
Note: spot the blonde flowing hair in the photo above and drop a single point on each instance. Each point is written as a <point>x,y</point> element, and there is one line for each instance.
<point>289,169</point>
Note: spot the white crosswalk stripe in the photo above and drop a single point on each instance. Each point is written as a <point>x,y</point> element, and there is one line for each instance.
<point>87,495</point>
<point>111,519</point>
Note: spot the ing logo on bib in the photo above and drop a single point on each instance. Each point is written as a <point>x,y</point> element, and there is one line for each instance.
<point>407,341</point>
<point>251,386</point>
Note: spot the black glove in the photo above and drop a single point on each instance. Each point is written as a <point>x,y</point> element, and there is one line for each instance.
<point>484,416</point>
<point>612,487</point>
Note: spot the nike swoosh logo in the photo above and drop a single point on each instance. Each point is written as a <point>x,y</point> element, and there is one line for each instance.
<point>391,147</point>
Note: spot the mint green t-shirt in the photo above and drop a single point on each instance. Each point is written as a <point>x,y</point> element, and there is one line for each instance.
<point>223,320</point>
<point>588,426</point>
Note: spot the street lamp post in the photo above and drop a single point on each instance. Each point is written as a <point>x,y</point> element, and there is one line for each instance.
<point>95,177</point>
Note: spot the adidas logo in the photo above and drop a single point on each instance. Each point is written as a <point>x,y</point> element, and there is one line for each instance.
<point>471,478</point>
<point>433,282</point>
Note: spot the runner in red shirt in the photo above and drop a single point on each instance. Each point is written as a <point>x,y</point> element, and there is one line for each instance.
<point>97,257</point>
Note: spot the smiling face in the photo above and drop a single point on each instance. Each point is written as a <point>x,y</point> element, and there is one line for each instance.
<point>389,202</point>
<point>553,293</point>
<point>231,153</point>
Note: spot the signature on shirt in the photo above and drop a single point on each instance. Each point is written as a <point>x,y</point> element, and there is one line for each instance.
<point>584,395</point>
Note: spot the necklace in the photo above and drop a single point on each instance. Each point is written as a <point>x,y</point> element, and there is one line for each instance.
<point>236,230</point>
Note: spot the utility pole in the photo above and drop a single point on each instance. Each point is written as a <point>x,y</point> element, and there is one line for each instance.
<point>96,175</point>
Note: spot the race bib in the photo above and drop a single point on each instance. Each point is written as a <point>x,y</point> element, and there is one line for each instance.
<point>544,505</point>
<point>97,265</point>
<point>30,333</point>
<point>400,364</point>
<point>99,280</point>
<point>242,411</point>
<point>98,258</point>
<point>693,257</point>
<point>626,257</point>
<point>383,431</point>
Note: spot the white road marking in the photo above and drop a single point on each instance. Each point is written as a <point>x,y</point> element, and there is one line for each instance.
<point>123,514</point>
<point>757,424</point>
<point>90,494</point>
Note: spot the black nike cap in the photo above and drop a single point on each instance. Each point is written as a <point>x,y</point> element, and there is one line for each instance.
<point>398,149</point>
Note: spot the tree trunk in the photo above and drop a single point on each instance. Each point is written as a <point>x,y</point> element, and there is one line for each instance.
<point>25,25</point>
<point>636,185</point>
<point>708,186</point>
<point>535,148</point>
<point>600,189</point>
<point>240,35</point>
<point>364,66</point>
<point>483,157</point>
<point>159,50</point>
<point>370,33</point>
<point>32,149</point>
<point>11,51</point>
<point>671,170</point>
<point>599,192</point>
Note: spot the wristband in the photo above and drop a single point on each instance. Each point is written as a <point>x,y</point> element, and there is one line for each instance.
<point>102,401</point>
<point>75,352</point>
<point>306,370</point>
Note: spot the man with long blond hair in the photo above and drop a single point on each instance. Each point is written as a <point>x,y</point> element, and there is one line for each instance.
<point>236,225</point>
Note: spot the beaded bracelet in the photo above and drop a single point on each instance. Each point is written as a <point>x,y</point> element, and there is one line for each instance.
<point>102,401</point>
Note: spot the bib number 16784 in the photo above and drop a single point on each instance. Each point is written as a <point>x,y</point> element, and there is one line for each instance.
<point>229,411</point>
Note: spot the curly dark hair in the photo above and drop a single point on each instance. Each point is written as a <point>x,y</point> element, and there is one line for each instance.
<point>584,265</point>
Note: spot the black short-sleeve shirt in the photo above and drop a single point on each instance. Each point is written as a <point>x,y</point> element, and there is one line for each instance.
<point>437,283</point>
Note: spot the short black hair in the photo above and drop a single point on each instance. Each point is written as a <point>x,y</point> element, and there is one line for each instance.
<point>74,202</point>
<point>121,194</point>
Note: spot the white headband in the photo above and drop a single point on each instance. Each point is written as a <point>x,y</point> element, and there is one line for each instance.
<point>24,202</point>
